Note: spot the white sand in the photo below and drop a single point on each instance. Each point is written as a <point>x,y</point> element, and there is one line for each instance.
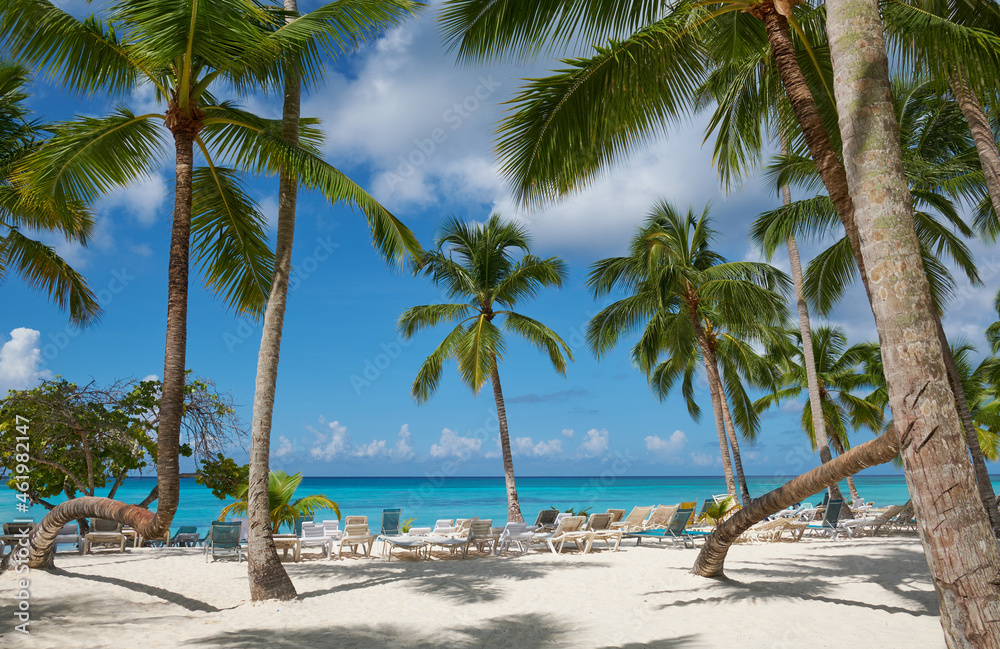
<point>868,592</point>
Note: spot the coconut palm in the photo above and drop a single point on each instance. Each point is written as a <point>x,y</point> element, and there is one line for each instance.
<point>490,280</point>
<point>839,380</point>
<point>37,264</point>
<point>182,49</point>
<point>268,578</point>
<point>282,510</point>
<point>683,291</point>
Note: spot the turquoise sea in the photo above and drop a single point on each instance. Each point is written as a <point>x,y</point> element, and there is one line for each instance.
<point>427,499</point>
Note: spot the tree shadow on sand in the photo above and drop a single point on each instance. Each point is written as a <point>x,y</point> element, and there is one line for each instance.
<point>169,596</point>
<point>531,631</point>
<point>810,579</point>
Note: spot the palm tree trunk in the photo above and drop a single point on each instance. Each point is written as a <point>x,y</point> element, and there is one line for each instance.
<point>853,489</point>
<point>727,419</point>
<point>513,506</point>
<point>712,558</point>
<point>712,373</point>
<point>982,134</point>
<point>808,353</point>
<point>268,578</point>
<point>147,524</point>
<point>960,547</point>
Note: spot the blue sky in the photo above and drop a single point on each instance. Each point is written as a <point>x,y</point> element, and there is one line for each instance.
<point>415,129</point>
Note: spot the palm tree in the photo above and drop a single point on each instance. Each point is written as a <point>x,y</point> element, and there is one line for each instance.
<point>180,49</point>
<point>838,380</point>
<point>487,276</point>
<point>281,489</point>
<point>684,291</point>
<point>961,549</point>
<point>268,578</point>
<point>38,265</point>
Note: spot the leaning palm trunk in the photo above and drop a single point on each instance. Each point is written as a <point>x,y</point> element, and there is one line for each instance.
<point>853,489</point>
<point>513,505</point>
<point>147,524</point>
<point>982,134</point>
<point>808,355</point>
<point>711,560</point>
<point>734,442</point>
<point>961,550</point>
<point>268,578</point>
<point>708,358</point>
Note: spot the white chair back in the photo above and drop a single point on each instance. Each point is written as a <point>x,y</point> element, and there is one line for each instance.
<point>443,524</point>
<point>313,531</point>
<point>331,528</point>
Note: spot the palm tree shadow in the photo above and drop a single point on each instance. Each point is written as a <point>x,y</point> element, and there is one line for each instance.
<point>169,596</point>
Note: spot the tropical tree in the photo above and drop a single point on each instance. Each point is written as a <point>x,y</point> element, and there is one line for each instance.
<point>181,49</point>
<point>839,379</point>
<point>282,510</point>
<point>38,265</point>
<point>268,578</point>
<point>475,262</point>
<point>684,291</point>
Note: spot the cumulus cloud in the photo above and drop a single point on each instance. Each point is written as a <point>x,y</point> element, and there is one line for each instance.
<point>671,445</point>
<point>285,448</point>
<point>330,444</point>
<point>336,442</point>
<point>454,445</point>
<point>142,200</point>
<point>21,361</point>
<point>527,446</point>
<point>567,432</point>
<point>704,459</point>
<point>595,442</point>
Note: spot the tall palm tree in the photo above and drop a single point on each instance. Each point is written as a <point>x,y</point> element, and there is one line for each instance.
<point>961,549</point>
<point>268,578</point>
<point>487,276</point>
<point>37,264</point>
<point>684,291</point>
<point>180,49</point>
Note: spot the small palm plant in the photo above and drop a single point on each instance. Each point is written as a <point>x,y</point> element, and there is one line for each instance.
<point>280,489</point>
<point>716,512</point>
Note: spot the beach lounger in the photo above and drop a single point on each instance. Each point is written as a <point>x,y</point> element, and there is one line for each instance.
<point>222,539</point>
<point>443,526</point>
<point>514,533</point>
<point>355,520</point>
<point>569,528</point>
<point>70,533</point>
<point>700,519</point>
<point>633,522</point>
<point>482,536</point>
<point>356,534</point>
<point>390,521</point>
<point>660,517</point>
<point>766,531</point>
<point>675,531</point>
<point>104,532</point>
<point>829,524</point>
<point>332,529</point>
<point>314,535</point>
<point>616,515</point>
<point>185,534</point>
<point>600,525</point>
<point>546,518</point>
<point>456,541</point>
<point>858,526</point>
<point>690,505</point>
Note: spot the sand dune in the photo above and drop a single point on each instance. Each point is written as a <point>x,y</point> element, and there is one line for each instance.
<point>868,592</point>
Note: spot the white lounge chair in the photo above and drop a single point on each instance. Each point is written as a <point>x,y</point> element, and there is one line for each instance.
<point>568,529</point>
<point>356,534</point>
<point>314,535</point>
<point>633,522</point>
<point>481,534</point>
<point>105,532</point>
<point>513,533</point>
<point>600,525</point>
<point>70,533</point>
<point>332,529</point>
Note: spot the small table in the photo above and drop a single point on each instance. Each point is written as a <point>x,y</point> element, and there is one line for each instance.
<point>286,543</point>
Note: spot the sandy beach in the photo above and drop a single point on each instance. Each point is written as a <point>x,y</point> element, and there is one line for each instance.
<point>814,593</point>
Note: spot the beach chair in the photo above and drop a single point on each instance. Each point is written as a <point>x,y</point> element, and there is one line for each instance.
<point>616,515</point>
<point>413,543</point>
<point>569,528</point>
<point>513,533</point>
<point>70,533</point>
<point>633,522</point>
<point>700,520</point>
<point>458,540</point>
<point>223,539</point>
<point>766,531</point>
<point>829,524</point>
<point>332,529</point>
<point>482,536</point>
<point>356,534</point>
<point>185,534</point>
<point>390,521</point>
<point>904,520</point>
<point>857,526</point>
<point>104,532</point>
<point>660,517</point>
<point>675,530</point>
<point>443,526</point>
<point>600,525</point>
<point>546,518</point>
<point>314,535</point>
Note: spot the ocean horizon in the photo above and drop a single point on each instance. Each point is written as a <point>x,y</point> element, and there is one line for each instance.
<point>429,498</point>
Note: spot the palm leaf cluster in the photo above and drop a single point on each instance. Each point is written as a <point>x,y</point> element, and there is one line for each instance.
<point>281,489</point>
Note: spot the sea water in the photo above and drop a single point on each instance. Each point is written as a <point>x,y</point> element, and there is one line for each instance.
<point>426,499</point>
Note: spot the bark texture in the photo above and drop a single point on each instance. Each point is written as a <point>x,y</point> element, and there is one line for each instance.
<point>982,134</point>
<point>513,505</point>
<point>961,551</point>
<point>734,442</point>
<point>708,358</point>
<point>711,560</point>
<point>184,126</point>
<point>268,578</point>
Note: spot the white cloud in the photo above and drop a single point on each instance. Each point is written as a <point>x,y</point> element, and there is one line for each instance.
<point>454,445</point>
<point>20,361</point>
<point>337,443</point>
<point>704,459</point>
<point>142,200</point>
<point>285,448</point>
<point>331,444</point>
<point>672,445</point>
<point>404,449</point>
<point>595,442</point>
<point>527,446</point>
<point>567,432</point>
<point>151,377</point>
